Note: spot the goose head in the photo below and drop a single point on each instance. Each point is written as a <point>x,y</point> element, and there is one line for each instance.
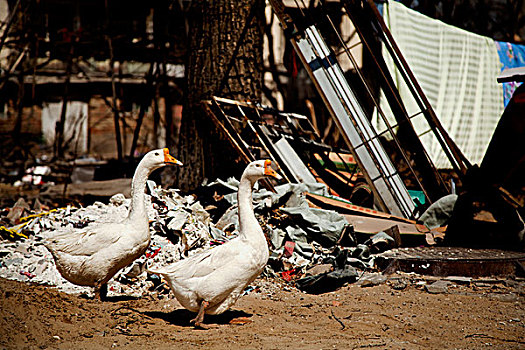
<point>159,158</point>
<point>259,169</point>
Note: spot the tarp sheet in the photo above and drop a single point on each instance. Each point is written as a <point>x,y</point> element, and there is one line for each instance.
<point>457,70</point>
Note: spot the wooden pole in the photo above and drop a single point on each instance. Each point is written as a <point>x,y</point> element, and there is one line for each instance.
<point>59,128</point>
<point>168,113</point>
<point>156,115</point>
<point>20,105</point>
<point>143,106</point>
<point>116,114</point>
<point>8,24</point>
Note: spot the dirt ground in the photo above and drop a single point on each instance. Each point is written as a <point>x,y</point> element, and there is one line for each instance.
<point>484,315</point>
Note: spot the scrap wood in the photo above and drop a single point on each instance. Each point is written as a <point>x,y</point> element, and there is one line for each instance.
<point>240,320</point>
<point>342,206</point>
<point>341,178</point>
<point>373,225</point>
<point>435,235</point>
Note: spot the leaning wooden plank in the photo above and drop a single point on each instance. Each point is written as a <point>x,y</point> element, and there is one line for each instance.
<point>342,206</point>
<point>372,225</point>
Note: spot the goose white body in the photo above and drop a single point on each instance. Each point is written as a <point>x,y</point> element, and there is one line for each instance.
<point>91,256</point>
<point>219,276</point>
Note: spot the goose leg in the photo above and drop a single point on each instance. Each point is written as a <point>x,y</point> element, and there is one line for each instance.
<point>101,291</point>
<point>197,321</point>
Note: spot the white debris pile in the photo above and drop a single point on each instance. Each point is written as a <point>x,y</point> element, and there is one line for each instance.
<point>299,236</point>
<point>179,226</point>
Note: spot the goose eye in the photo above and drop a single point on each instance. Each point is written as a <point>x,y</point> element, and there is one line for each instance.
<point>156,153</point>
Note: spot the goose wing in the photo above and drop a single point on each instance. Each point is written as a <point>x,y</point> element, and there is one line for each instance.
<point>86,241</point>
<point>204,263</point>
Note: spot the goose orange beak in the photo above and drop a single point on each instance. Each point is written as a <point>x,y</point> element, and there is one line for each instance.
<point>268,170</point>
<point>169,159</point>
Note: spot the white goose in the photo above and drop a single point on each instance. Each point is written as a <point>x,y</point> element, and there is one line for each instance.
<point>211,281</point>
<point>92,255</point>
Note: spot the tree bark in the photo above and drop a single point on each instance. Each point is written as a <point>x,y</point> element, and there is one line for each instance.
<point>225,59</point>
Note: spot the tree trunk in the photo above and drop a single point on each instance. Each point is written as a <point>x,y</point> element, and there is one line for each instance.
<point>225,59</point>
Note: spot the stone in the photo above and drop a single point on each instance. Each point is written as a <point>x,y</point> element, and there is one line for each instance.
<point>22,248</point>
<point>117,199</point>
<point>398,283</point>
<point>506,298</point>
<point>438,287</point>
<point>14,262</point>
<point>372,280</point>
<point>318,269</point>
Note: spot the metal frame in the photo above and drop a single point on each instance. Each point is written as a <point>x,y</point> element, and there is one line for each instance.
<point>390,191</point>
<point>289,142</point>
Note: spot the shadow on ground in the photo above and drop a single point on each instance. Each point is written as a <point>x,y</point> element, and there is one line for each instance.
<point>111,299</point>
<point>182,317</point>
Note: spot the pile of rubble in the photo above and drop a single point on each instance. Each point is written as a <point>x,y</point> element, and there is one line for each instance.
<point>305,243</point>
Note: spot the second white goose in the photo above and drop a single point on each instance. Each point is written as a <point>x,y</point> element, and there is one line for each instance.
<point>211,282</point>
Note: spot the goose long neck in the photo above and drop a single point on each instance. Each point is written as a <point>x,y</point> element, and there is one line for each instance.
<point>137,210</point>
<point>248,224</point>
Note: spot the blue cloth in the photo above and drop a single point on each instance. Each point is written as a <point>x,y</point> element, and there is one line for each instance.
<point>379,8</point>
<point>511,56</point>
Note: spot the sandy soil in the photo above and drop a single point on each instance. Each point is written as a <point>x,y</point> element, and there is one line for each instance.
<point>484,315</point>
